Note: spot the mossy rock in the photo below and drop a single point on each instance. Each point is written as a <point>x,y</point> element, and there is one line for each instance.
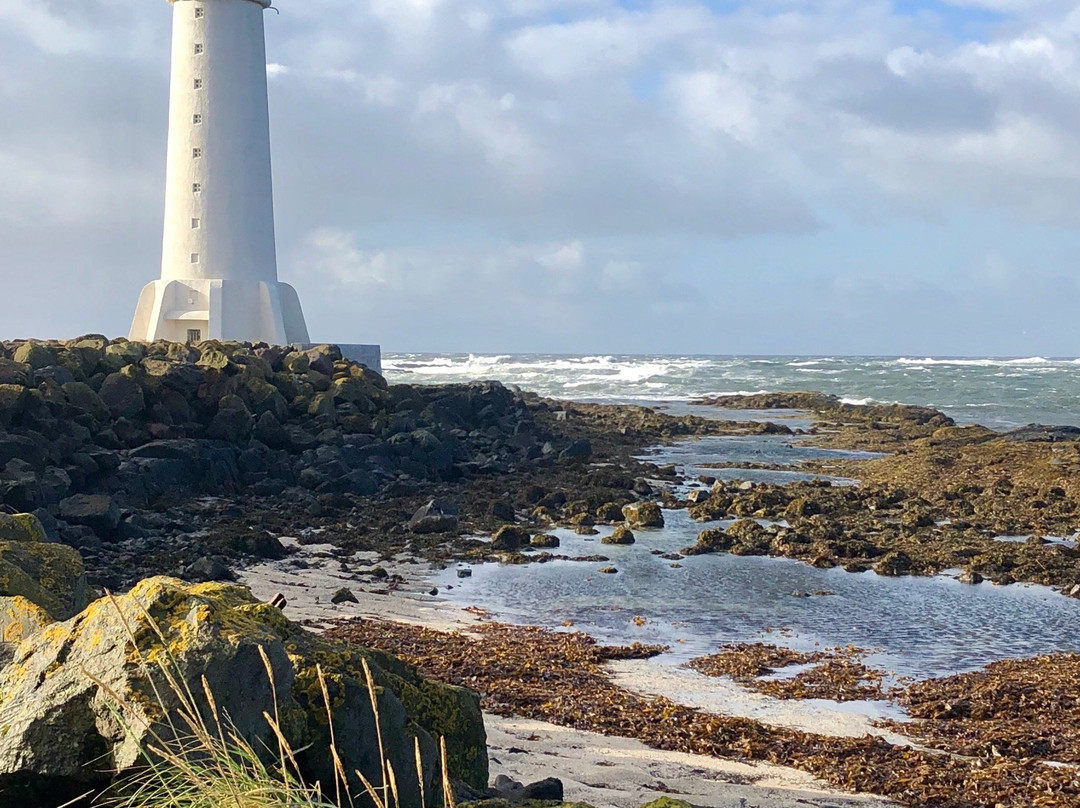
<point>643,514</point>
<point>21,527</point>
<point>35,354</point>
<point>57,716</point>
<point>49,575</point>
<point>667,802</point>
<point>621,535</point>
<point>12,399</point>
<point>510,538</point>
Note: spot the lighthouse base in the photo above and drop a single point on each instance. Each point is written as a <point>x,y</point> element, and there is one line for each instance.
<point>198,309</point>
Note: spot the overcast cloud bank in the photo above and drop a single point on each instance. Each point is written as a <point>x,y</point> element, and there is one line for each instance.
<point>583,175</point>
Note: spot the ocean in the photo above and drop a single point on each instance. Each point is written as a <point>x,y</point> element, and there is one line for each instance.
<point>998,393</point>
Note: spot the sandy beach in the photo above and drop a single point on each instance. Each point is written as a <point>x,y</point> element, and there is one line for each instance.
<point>603,771</point>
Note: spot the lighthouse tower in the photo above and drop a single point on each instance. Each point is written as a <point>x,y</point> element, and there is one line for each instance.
<point>219,259</point>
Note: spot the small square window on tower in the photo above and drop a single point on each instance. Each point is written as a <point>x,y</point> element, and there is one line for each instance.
<point>196,188</point>
<point>198,48</point>
<point>194,258</point>
<point>196,153</point>
<point>198,84</point>
<point>199,12</point>
<point>196,118</point>
<point>194,335</point>
<point>196,224</point>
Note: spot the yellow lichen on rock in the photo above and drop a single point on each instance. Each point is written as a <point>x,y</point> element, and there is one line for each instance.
<point>50,575</point>
<point>58,696</point>
<point>21,527</point>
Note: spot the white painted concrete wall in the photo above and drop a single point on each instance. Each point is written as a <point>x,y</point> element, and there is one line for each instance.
<point>235,207</point>
<point>219,258</point>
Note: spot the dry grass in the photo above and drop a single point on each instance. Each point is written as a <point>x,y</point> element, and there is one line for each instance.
<point>197,759</point>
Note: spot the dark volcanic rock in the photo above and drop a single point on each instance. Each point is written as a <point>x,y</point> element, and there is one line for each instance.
<point>435,517</point>
<point>98,512</point>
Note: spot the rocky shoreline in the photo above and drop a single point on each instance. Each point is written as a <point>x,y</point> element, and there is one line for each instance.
<point>121,461</point>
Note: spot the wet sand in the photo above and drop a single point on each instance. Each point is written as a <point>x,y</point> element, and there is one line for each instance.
<point>602,771</point>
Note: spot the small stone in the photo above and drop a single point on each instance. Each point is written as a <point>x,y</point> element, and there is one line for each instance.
<point>608,570</point>
<point>433,591</point>
<point>549,789</point>
<point>621,535</point>
<point>510,538</point>
<point>343,595</point>
<point>208,569</point>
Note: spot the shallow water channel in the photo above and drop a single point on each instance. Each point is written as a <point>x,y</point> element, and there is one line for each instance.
<point>917,627</point>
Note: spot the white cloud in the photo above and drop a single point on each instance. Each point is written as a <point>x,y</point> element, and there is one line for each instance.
<point>574,147</point>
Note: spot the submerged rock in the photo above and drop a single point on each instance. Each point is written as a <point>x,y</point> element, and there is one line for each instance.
<point>59,732</point>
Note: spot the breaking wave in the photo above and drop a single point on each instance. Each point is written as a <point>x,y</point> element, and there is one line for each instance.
<point>1025,390</point>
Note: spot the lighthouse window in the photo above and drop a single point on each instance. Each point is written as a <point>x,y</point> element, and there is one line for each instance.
<point>198,84</point>
<point>196,118</point>
<point>194,258</point>
<point>196,153</point>
<point>194,335</point>
<point>198,48</point>
<point>199,12</point>
<point>196,224</point>
<point>196,188</point>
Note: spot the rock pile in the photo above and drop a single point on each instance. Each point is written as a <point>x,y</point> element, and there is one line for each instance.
<point>97,437</point>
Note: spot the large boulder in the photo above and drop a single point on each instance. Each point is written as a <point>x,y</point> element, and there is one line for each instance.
<point>122,394</point>
<point>59,731</point>
<point>19,618</point>
<point>48,575</point>
<point>99,512</point>
<point>21,527</point>
<point>35,354</point>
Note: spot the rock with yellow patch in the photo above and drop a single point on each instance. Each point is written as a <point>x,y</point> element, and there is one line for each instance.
<point>48,575</point>
<point>59,731</point>
<point>21,527</point>
<point>19,618</point>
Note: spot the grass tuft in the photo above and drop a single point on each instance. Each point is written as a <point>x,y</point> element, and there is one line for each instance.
<point>197,758</point>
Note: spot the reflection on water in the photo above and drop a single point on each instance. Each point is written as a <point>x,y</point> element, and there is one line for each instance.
<point>699,456</point>
<point>917,626</point>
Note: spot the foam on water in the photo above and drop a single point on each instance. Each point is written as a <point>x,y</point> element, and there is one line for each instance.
<point>1000,393</point>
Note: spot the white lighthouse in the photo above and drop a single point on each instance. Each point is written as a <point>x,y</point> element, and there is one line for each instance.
<point>219,259</point>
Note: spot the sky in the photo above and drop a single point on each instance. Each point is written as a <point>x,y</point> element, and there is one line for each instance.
<point>866,177</point>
